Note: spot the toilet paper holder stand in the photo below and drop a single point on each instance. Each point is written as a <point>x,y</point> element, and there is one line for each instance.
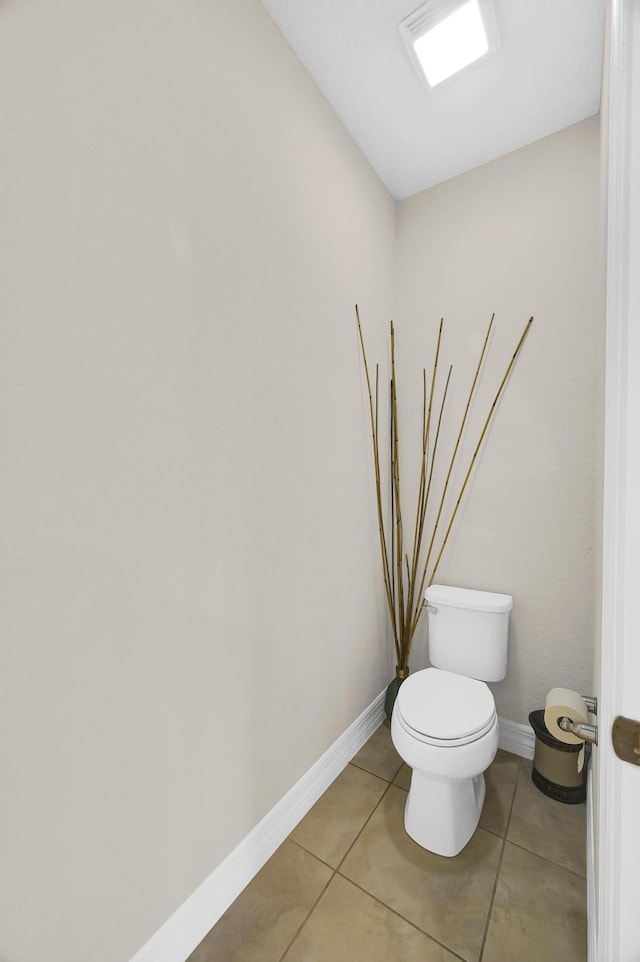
<point>589,733</point>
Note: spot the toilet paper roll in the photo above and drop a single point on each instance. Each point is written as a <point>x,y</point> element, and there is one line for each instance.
<point>564,703</point>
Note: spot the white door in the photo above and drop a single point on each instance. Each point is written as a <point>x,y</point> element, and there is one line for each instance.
<point>618,783</point>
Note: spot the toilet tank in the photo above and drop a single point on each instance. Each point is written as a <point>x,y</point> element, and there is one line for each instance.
<point>468,631</point>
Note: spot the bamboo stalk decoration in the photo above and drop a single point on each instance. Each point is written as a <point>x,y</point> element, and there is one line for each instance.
<point>376,463</point>
<point>406,573</point>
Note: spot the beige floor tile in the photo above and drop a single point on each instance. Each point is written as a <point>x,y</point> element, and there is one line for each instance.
<point>447,898</point>
<point>348,925</point>
<point>500,779</point>
<point>551,829</point>
<point>378,755</point>
<point>539,912</point>
<point>403,778</point>
<point>263,920</point>
<point>333,823</point>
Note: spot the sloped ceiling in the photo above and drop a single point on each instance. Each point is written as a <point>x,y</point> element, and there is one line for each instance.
<point>545,76</point>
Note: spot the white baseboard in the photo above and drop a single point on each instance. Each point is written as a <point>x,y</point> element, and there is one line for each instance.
<point>516,738</point>
<point>187,927</point>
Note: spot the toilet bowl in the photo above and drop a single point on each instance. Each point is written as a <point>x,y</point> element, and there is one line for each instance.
<point>444,723</point>
<point>445,727</point>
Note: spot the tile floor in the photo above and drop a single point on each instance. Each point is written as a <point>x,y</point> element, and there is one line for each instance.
<point>349,885</point>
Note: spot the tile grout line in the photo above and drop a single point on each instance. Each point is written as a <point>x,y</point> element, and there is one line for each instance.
<point>334,871</point>
<point>523,848</point>
<point>312,854</point>
<point>374,810</point>
<point>400,916</point>
<point>311,910</point>
<point>379,901</point>
<point>377,774</point>
<point>370,895</point>
<point>388,907</point>
<point>530,850</point>
<point>495,884</point>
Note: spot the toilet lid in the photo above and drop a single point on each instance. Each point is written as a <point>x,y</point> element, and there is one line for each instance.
<point>442,705</point>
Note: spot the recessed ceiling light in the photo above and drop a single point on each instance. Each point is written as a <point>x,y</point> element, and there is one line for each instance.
<point>445,36</point>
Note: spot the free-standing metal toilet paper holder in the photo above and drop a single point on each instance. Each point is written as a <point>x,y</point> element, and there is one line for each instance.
<point>589,733</point>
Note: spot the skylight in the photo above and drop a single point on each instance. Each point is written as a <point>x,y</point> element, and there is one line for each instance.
<point>445,36</point>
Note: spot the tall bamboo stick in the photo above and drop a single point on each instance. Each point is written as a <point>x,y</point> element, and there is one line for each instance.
<point>451,464</point>
<point>376,462</point>
<point>475,453</point>
<point>425,440</point>
<point>393,616</point>
<point>422,467</point>
<point>435,447</point>
<point>408,617</point>
<point>396,489</point>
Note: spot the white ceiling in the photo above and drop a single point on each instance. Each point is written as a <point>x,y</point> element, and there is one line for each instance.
<point>545,76</point>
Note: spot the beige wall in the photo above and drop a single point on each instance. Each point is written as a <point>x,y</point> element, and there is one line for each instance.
<point>189,561</point>
<point>519,236</point>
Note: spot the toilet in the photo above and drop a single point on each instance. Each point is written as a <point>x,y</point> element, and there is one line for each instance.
<point>444,723</point>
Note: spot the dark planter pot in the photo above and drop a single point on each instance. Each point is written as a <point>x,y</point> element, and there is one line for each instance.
<point>392,692</point>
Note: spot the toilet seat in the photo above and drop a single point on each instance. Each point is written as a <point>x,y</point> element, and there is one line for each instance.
<point>444,709</point>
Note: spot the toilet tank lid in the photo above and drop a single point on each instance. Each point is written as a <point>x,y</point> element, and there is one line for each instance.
<point>468,598</point>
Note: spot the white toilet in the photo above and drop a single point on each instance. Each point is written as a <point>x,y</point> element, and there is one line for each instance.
<point>444,723</point>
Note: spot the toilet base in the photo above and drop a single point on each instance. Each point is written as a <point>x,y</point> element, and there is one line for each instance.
<point>442,815</point>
